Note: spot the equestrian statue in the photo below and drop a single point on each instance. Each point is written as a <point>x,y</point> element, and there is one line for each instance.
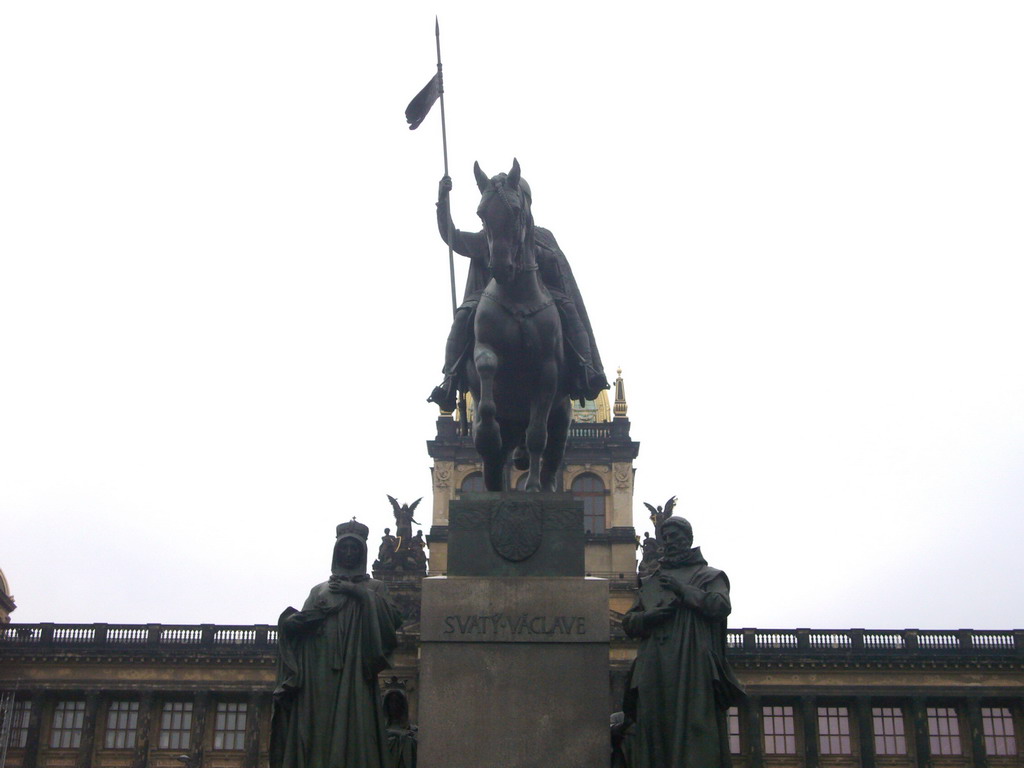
<point>521,341</point>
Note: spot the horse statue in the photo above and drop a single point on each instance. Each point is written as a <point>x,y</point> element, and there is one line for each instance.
<point>517,373</point>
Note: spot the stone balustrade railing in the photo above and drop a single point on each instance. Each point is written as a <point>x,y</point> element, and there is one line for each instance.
<point>828,641</point>
<point>598,431</point>
<point>139,635</point>
<point>740,641</point>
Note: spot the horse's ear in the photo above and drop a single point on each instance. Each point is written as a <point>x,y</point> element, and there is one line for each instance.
<point>513,175</point>
<point>481,178</point>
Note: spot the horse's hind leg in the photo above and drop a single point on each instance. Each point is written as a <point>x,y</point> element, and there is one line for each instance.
<point>554,451</point>
<point>486,433</point>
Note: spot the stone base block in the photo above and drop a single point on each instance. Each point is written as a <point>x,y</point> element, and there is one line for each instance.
<point>514,673</point>
<point>499,706</point>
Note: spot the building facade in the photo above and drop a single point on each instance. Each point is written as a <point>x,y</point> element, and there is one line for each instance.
<point>200,696</point>
<point>160,696</point>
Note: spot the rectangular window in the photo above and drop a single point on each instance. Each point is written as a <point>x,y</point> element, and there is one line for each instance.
<point>944,731</point>
<point>834,731</point>
<point>229,727</point>
<point>589,489</point>
<point>122,722</point>
<point>19,724</point>
<point>176,725</point>
<point>779,731</point>
<point>997,725</point>
<point>593,521</point>
<point>734,730</point>
<point>68,721</point>
<point>890,738</point>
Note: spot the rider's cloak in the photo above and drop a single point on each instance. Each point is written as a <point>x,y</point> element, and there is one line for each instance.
<point>555,272</point>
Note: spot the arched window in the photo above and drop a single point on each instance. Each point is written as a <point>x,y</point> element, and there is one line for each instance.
<point>589,489</point>
<point>472,483</point>
<point>521,481</point>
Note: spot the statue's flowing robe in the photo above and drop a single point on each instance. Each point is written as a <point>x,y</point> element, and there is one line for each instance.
<point>403,525</point>
<point>327,710</point>
<point>681,685</point>
<point>402,748</point>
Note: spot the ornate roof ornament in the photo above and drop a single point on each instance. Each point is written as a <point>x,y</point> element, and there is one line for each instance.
<point>620,396</point>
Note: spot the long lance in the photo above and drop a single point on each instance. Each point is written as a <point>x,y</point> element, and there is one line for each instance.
<point>462,405</point>
<point>444,144</point>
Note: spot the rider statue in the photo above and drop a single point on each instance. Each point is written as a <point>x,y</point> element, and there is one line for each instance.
<point>586,373</point>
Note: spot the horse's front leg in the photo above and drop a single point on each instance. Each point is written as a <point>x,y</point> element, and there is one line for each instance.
<point>537,431</point>
<point>554,451</point>
<point>486,433</point>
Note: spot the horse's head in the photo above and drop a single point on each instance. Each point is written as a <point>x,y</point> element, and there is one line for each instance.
<point>508,224</point>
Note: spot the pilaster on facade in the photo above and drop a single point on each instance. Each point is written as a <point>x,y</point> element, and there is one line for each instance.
<point>443,482</point>
<point>865,731</point>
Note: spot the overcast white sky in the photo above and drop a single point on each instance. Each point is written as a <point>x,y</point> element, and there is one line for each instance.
<point>797,226</point>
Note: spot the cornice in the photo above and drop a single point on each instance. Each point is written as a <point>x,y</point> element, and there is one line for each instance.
<point>888,665</point>
<point>254,658</point>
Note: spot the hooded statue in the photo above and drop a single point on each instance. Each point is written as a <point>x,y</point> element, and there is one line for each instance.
<point>680,686</point>
<point>327,709</point>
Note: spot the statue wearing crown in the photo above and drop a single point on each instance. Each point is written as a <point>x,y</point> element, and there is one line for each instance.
<point>327,709</point>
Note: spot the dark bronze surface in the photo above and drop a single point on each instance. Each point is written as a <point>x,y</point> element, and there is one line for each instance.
<point>521,341</point>
<point>680,684</point>
<point>515,534</point>
<point>327,708</point>
<point>402,552</point>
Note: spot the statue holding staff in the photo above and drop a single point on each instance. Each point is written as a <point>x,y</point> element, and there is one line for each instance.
<point>587,377</point>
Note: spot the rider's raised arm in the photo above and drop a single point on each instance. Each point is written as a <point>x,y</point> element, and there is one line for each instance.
<point>471,244</point>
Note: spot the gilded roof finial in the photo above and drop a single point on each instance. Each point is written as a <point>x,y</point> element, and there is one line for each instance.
<point>620,396</point>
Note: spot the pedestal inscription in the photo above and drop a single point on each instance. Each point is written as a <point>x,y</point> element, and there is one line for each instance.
<point>514,673</point>
<point>502,610</point>
<point>514,641</point>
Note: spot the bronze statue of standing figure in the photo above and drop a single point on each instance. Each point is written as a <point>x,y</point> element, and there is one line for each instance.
<point>521,342</point>
<point>327,708</point>
<point>680,686</point>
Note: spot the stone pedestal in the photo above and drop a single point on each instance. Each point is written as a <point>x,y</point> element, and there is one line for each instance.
<point>514,641</point>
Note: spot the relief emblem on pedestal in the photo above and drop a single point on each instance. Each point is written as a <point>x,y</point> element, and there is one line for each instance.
<point>516,528</point>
